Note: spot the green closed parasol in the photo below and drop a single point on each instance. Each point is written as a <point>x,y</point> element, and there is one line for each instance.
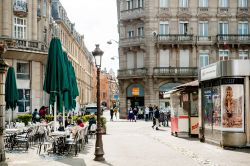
<point>11,93</point>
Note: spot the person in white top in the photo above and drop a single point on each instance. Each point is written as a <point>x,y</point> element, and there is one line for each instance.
<point>146,113</point>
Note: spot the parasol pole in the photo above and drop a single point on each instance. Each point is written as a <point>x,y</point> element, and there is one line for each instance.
<point>63,116</point>
<point>9,117</point>
<point>55,110</point>
<point>50,109</point>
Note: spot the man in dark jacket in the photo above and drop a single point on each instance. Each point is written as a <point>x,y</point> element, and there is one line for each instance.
<point>157,116</point>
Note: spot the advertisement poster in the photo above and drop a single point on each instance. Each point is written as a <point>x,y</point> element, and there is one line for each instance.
<point>232,105</point>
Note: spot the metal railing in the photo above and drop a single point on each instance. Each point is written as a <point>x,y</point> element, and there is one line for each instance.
<point>20,6</point>
<point>137,72</point>
<point>132,41</point>
<point>176,71</point>
<point>223,9</point>
<point>132,13</point>
<point>233,38</point>
<point>175,38</point>
<point>203,9</point>
<point>242,9</point>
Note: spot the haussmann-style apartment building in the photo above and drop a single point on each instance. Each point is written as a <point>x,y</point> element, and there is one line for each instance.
<point>163,43</point>
<point>26,28</point>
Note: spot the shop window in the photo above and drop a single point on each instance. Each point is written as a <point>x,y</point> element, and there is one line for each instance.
<point>212,107</point>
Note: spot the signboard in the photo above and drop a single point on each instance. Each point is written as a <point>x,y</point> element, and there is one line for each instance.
<point>232,106</point>
<point>209,72</point>
<point>194,125</point>
<point>135,91</point>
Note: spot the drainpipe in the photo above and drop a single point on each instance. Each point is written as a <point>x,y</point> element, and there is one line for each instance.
<point>247,113</point>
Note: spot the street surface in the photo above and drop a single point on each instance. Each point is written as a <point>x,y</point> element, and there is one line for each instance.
<point>137,144</point>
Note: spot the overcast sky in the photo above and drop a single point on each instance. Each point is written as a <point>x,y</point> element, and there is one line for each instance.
<point>97,21</point>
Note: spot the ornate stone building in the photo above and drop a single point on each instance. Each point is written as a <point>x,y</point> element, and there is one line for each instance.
<point>26,27</point>
<point>164,42</point>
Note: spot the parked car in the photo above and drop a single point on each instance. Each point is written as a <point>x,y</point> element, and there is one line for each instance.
<point>91,109</point>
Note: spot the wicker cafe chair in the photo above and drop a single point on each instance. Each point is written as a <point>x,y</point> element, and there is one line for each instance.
<point>23,140</point>
<point>46,142</point>
<point>73,142</point>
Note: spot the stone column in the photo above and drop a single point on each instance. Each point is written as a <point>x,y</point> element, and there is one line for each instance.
<point>34,20</point>
<point>3,68</point>
<point>7,18</point>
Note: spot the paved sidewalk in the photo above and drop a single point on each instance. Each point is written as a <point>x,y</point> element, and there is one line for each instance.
<point>137,144</point>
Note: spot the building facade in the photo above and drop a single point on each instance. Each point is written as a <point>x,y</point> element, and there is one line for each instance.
<point>26,28</point>
<point>78,54</point>
<point>164,42</point>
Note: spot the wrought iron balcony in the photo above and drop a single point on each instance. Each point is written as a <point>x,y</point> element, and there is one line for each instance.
<point>223,9</point>
<point>242,10</point>
<point>135,73</point>
<point>132,41</point>
<point>176,71</point>
<point>20,8</point>
<point>233,39</point>
<point>26,45</point>
<point>175,39</point>
<point>205,40</point>
<point>203,9</point>
<point>136,13</point>
<point>183,9</point>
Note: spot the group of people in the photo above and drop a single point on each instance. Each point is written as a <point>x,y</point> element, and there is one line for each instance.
<point>38,116</point>
<point>150,113</point>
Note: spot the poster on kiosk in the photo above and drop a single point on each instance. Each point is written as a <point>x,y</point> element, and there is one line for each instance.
<point>232,105</point>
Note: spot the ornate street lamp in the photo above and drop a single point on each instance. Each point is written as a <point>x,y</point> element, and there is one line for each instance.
<point>97,53</point>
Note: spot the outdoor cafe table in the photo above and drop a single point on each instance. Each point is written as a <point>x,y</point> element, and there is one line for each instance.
<point>59,141</point>
<point>12,130</point>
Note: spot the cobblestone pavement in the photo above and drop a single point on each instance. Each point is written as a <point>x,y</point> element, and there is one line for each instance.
<point>137,144</point>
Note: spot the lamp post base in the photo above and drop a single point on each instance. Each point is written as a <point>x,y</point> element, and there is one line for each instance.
<point>99,158</point>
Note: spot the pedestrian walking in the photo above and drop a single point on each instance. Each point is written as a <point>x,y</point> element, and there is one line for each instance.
<point>111,114</point>
<point>135,111</point>
<point>151,112</point>
<point>146,113</point>
<point>156,118</point>
<point>115,112</point>
<point>130,115</point>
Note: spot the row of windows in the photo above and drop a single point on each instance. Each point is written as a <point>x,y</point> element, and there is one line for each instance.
<point>131,4</point>
<point>203,28</point>
<point>136,60</point>
<point>202,3</point>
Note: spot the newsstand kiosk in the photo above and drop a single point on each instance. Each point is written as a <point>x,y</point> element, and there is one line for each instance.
<point>184,109</point>
<point>224,103</point>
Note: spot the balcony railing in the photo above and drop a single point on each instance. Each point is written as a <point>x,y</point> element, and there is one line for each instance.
<point>175,39</point>
<point>176,71</point>
<point>132,41</point>
<point>203,9</point>
<point>20,8</point>
<point>137,72</point>
<point>223,9</point>
<point>242,9</point>
<point>233,38</point>
<point>135,13</point>
<point>26,45</point>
